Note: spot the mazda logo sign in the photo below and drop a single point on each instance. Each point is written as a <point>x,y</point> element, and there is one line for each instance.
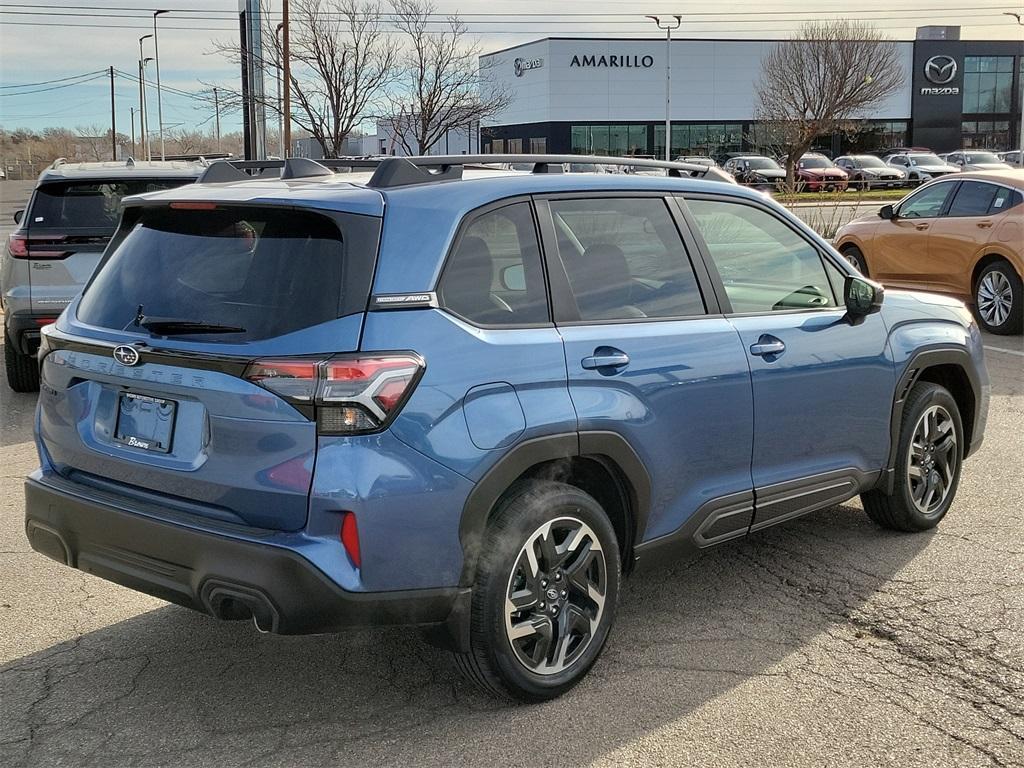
<point>126,355</point>
<point>940,69</point>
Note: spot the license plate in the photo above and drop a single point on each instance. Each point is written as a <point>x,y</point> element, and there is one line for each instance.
<point>145,423</point>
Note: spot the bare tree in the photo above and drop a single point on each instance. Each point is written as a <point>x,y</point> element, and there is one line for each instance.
<point>813,85</point>
<point>440,85</point>
<point>341,59</point>
<point>93,142</point>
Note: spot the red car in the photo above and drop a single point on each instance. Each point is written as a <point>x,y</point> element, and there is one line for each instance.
<point>816,173</point>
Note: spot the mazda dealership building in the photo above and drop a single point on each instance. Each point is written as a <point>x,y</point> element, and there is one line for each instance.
<point>607,96</point>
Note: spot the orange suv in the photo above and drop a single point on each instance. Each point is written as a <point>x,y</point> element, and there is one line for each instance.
<point>962,235</point>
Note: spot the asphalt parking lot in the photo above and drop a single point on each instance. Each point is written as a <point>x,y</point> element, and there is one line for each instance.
<point>825,641</point>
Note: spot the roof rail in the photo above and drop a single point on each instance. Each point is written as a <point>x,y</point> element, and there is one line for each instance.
<point>426,169</point>
<point>58,162</point>
<point>130,162</point>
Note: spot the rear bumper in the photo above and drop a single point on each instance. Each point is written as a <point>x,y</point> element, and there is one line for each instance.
<point>225,577</point>
<point>23,330</point>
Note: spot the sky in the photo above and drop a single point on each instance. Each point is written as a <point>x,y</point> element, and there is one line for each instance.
<point>79,39</point>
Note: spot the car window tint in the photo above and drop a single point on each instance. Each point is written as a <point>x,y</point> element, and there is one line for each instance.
<point>1004,199</point>
<point>972,199</point>
<point>764,265</point>
<point>494,275</point>
<point>239,266</point>
<point>624,259</point>
<point>927,203</point>
<point>94,205</point>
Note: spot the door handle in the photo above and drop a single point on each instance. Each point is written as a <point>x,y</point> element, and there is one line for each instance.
<point>984,224</point>
<point>605,357</point>
<point>767,345</point>
<point>921,226</point>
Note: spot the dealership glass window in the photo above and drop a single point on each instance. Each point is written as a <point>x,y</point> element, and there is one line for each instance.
<point>988,84</point>
<point>985,134</point>
<point>515,146</point>
<point>872,135</point>
<point>618,140</point>
<point>638,139</point>
<point>498,146</point>
<point>538,146</point>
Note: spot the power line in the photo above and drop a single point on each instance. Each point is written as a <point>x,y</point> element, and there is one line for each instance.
<point>58,80</point>
<point>54,87</point>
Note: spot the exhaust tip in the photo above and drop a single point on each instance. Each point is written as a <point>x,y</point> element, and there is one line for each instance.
<point>235,602</point>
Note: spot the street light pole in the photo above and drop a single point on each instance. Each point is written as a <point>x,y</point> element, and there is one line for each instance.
<point>286,137</point>
<point>145,108</point>
<point>132,111</point>
<point>1020,92</point>
<point>280,109</point>
<point>668,27</point>
<point>216,108</point>
<point>142,99</point>
<point>159,95</point>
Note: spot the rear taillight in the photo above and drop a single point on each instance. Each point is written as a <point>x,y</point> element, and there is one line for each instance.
<point>350,395</point>
<point>20,247</point>
<point>17,246</point>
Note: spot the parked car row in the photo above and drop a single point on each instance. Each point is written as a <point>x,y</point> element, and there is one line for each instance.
<point>817,172</point>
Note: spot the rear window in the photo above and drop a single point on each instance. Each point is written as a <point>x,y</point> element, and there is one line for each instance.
<point>267,271</point>
<point>90,204</point>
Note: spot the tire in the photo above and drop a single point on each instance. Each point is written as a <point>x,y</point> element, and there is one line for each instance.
<point>519,669</point>
<point>854,255</point>
<point>22,370</point>
<point>921,496</point>
<point>999,299</point>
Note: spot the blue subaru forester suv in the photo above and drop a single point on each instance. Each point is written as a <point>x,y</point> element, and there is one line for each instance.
<point>473,399</point>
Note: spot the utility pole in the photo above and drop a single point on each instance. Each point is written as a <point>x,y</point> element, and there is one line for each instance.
<point>142,99</point>
<point>113,119</point>
<point>159,94</point>
<point>286,65</point>
<point>132,111</point>
<point>216,119</point>
<point>668,27</point>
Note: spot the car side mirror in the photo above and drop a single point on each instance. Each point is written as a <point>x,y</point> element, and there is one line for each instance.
<point>863,297</point>
<point>17,216</point>
<point>886,212</point>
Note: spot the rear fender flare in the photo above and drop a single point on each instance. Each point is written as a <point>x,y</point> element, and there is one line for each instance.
<point>610,446</point>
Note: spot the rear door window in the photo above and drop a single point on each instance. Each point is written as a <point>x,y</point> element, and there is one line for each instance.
<point>972,199</point>
<point>267,271</point>
<point>625,259</point>
<point>1004,199</point>
<point>92,205</point>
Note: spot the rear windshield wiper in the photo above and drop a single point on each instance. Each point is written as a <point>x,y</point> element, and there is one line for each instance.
<point>164,326</point>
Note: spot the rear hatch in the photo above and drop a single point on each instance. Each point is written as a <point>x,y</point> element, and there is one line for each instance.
<point>177,378</point>
<point>69,224</point>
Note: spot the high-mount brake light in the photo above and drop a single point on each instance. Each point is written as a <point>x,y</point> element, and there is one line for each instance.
<point>194,206</point>
<point>351,394</point>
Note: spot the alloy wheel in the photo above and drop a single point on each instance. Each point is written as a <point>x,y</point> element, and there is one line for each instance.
<point>932,459</point>
<point>556,596</point>
<point>995,298</point>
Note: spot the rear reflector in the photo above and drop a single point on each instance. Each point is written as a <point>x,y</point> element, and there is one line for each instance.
<point>350,538</point>
<point>351,394</point>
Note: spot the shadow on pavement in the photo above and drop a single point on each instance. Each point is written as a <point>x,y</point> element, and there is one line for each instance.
<point>175,687</point>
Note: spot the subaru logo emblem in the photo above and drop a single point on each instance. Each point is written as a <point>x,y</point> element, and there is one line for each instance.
<point>126,355</point>
<point>940,69</point>
<point>517,66</point>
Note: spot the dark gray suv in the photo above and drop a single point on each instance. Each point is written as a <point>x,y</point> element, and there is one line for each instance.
<point>70,218</point>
